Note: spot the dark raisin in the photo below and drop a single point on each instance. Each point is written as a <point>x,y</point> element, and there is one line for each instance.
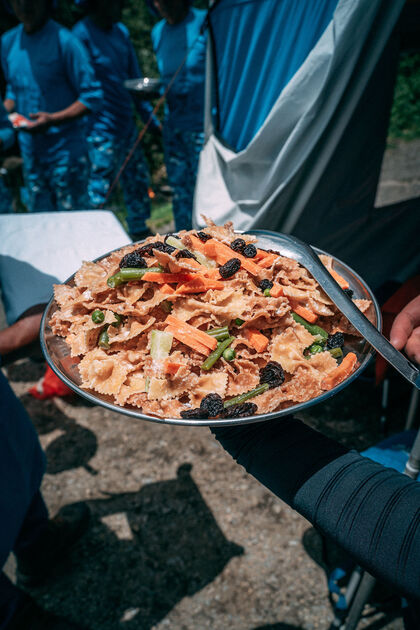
<point>348,292</point>
<point>272,374</point>
<point>133,260</point>
<point>250,251</point>
<point>212,404</point>
<point>147,250</point>
<point>265,284</point>
<point>240,411</point>
<point>199,414</point>
<point>335,341</point>
<point>230,268</point>
<point>184,253</point>
<point>203,236</point>
<point>238,245</point>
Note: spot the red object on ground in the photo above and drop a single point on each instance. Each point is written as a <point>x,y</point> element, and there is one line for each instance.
<point>49,386</point>
<point>394,305</point>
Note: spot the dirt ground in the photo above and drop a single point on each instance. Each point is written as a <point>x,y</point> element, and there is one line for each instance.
<point>181,537</point>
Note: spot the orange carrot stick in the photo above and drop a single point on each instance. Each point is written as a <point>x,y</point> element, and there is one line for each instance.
<point>256,339</point>
<point>171,368</point>
<point>197,244</point>
<point>187,329</point>
<point>276,290</point>
<point>167,289</point>
<point>199,284</point>
<point>305,313</point>
<point>222,253</point>
<point>342,371</point>
<point>341,281</point>
<point>188,340</point>
<point>165,278</point>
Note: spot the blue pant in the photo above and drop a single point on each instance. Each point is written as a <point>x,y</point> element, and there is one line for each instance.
<point>5,198</point>
<point>23,514</point>
<point>56,184</point>
<point>182,150</point>
<point>106,155</point>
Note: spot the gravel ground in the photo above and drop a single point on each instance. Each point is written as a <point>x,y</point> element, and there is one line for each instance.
<point>181,537</point>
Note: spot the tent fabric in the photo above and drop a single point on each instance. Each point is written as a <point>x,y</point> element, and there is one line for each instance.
<point>312,167</point>
<point>283,33</point>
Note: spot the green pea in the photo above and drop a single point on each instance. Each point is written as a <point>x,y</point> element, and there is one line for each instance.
<point>267,292</point>
<point>229,354</point>
<point>98,316</point>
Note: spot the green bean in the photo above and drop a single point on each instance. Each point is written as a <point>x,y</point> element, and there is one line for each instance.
<point>166,306</point>
<point>243,397</point>
<point>315,348</point>
<point>103,341</point>
<point>336,352</point>
<point>98,316</point>
<point>217,353</point>
<point>129,273</point>
<point>220,333</point>
<point>312,328</point>
<point>118,320</point>
<point>239,321</point>
<point>229,354</point>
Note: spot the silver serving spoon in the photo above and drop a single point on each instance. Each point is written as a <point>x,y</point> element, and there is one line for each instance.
<point>292,247</point>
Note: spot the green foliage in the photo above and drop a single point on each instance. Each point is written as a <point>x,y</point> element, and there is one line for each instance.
<point>405,114</point>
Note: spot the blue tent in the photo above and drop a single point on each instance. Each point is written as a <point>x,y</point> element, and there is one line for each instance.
<point>298,96</point>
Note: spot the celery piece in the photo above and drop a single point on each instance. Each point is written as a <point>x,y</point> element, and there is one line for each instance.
<point>160,344</point>
<point>203,260</point>
<point>175,242</point>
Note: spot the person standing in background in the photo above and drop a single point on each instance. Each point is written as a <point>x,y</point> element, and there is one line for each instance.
<point>112,130</point>
<point>7,138</point>
<point>50,82</point>
<point>175,38</point>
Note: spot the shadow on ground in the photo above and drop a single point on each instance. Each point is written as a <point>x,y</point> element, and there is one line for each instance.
<point>144,552</point>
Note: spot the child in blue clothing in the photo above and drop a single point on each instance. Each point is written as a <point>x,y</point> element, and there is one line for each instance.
<point>112,129</point>
<point>51,82</point>
<point>7,138</point>
<point>183,135</point>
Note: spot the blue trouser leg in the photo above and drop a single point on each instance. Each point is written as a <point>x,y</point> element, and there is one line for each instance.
<point>69,179</point>
<point>182,150</point>
<point>59,182</point>
<point>6,202</point>
<point>135,182</point>
<point>22,464</point>
<point>106,155</point>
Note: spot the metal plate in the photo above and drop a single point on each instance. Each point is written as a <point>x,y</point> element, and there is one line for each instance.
<point>57,354</point>
<point>145,88</point>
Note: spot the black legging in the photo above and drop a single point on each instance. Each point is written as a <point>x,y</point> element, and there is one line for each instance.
<point>372,512</point>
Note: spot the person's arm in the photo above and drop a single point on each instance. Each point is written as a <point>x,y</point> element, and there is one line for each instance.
<point>372,512</point>
<point>42,120</point>
<point>405,331</point>
<point>22,334</point>
<point>81,75</point>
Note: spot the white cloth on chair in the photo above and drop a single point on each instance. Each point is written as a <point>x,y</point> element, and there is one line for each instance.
<point>40,249</point>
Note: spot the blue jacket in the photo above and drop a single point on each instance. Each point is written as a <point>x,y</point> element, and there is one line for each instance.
<point>114,60</point>
<point>47,71</point>
<point>185,100</point>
